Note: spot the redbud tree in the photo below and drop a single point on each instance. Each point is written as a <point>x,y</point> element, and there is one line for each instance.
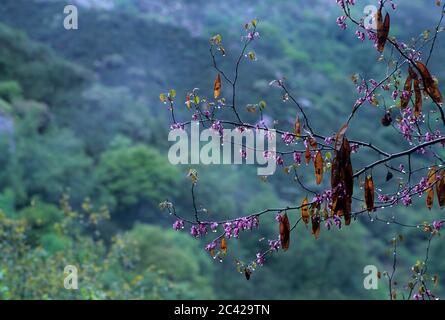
<point>346,191</point>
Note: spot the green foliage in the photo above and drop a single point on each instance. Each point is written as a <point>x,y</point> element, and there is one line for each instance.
<point>37,70</point>
<point>10,90</point>
<point>136,178</point>
<point>49,164</point>
<point>119,271</point>
<point>178,255</point>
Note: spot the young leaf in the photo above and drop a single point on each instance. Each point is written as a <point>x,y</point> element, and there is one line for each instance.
<point>251,55</point>
<point>284,232</point>
<point>247,273</point>
<point>315,220</point>
<point>440,188</point>
<point>418,101</point>
<point>382,30</point>
<point>404,100</point>
<point>318,165</point>
<point>188,103</point>
<point>339,137</point>
<point>342,182</point>
<point>307,155</point>
<point>312,142</point>
<point>262,104</point>
<point>297,128</point>
<point>193,174</point>
<point>251,108</point>
<point>305,211</point>
<point>389,176</point>
<point>224,246</point>
<point>217,86</point>
<point>386,119</point>
<point>430,191</point>
<point>429,83</point>
<point>369,193</point>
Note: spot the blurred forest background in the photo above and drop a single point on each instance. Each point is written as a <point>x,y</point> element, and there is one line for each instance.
<point>81,127</point>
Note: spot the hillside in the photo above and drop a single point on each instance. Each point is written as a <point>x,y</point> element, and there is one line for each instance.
<point>80,114</point>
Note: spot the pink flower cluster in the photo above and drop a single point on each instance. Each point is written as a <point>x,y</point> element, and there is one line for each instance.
<point>217,126</point>
<point>342,3</point>
<point>211,246</point>
<point>198,230</point>
<point>297,157</point>
<point>360,35</point>
<point>260,258</point>
<point>341,22</point>
<point>407,124</point>
<point>437,225</point>
<point>287,138</point>
<point>337,222</point>
<point>178,224</point>
<point>274,245</point>
<point>233,228</point>
<point>177,125</point>
<point>252,35</point>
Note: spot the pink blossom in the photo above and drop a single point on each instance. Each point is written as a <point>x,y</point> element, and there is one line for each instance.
<point>228,230</point>
<point>274,245</point>
<point>337,221</point>
<point>329,140</point>
<point>406,200</point>
<point>260,259</point>
<point>328,224</point>
<point>178,224</point>
<point>179,126</point>
<point>354,147</point>
<point>217,126</point>
<point>373,83</point>
<point>341,22</point>
<point>287,138</point>
<point>360,35</point>
<point>214,226</point>
<point>437,225</point>
<point>211,246</point>
<point>297,157</point>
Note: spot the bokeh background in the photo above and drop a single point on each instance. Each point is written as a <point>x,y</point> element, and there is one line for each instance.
<point>82,127</point>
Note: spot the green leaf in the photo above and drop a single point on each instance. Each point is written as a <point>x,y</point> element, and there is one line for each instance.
<point>216,39</point>
<point>252,55</point>
<point>262,104</point>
